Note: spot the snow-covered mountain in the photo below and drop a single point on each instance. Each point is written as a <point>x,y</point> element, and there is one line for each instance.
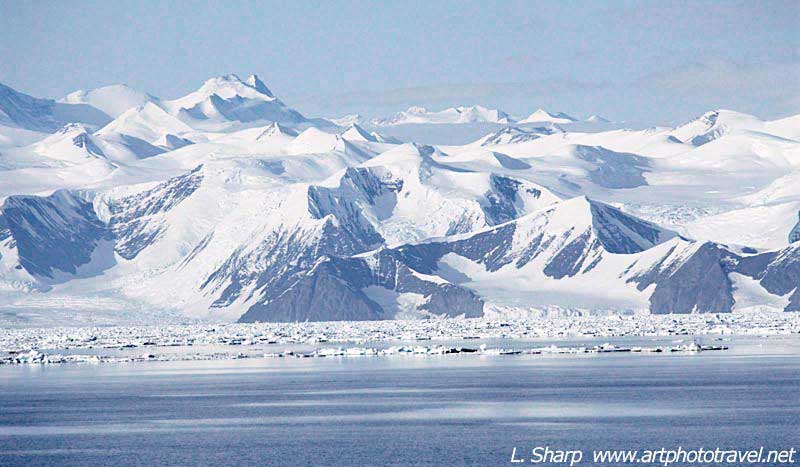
<point>515,135</point>
<point>19,110</point>
<point>355,132</point>
<point>347,120</point>
<point>151,124</point>
<point>113,100</point>
<point>246,210</point>
<point>543,116</point>
<point>452,115</point>
<point>576,255</point>
<point>228,98</point>
<point>597,119</point>
<point>713,125</point>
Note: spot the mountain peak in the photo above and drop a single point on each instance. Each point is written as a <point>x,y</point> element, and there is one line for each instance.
<point>113,100</point>
<point>713,125</point>
<point>227,87</point>
<point>255,82</point>
<point>72,128</point>
<point>356,133</point>
<point>515,135</point>
<point>542,115</point>
<point>617,231</point>
<point>274,129</point>
<point>597,119</point>
<point>226,99</point>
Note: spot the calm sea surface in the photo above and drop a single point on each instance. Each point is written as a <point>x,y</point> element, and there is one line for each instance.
<point>399,410</point>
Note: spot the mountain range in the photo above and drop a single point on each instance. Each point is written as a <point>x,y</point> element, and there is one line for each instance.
<point>226,204</point>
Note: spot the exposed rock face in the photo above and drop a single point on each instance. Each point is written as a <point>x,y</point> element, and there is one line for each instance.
<point>614,169</point>
<point>131,217</point>
<point>503,200</point>
<point>56,233</point>
<point>700,283</point>
<point>359,187</point>
<point>777,271</point>
<point>794,235</point>
<point>329,260</point>
<point>334,289</point>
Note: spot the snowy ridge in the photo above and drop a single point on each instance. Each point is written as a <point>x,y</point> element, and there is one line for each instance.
<point>244,209</point>
<point>113,100</point>
<point>228,98</point>
<point>713,125</point>
<point>20,110</point>
<point>514,135</point>
<point>452,115</point>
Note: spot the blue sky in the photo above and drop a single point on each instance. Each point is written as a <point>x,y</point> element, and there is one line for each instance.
<point>652,62</point>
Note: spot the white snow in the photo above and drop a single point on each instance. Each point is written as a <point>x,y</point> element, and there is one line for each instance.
<point>725,177</point>
<point>541,115</point>
<point>113,100</point>
<point>451,115</point>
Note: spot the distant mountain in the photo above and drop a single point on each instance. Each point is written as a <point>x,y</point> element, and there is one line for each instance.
<point>113,100</point>
<point>71,144</point>
<point>150,124</point>
<point>357,133</point>
<point>542,115</point>
<point>713,125</point>
<point>515,135</point>
<point>597,119</point>
<point>23,111</point>
<point>348,120</point>
<point>230,99</point>
<point>452,115</point>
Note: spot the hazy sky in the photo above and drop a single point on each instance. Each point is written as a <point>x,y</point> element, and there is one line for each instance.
<point>657,62</point>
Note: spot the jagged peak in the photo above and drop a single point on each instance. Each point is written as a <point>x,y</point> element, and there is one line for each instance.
<point>234,83</point>
<point>713,125</point>
<point>225,87</point>
<point>618,232</point>
<point>357,133</point>
<point>255,82</point>
<point>721,116</point>
<point>274,129</point>
<point>75,132</point>
<point>63,143</point>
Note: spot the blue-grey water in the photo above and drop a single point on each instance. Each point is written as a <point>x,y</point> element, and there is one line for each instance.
<point>398,410</point>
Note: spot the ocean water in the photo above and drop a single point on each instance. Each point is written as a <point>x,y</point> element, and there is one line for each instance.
<point>399,410</point>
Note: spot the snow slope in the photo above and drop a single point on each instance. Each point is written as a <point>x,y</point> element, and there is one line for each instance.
<point>44,115</point>
<point>113,100</point>
<point>224,100</point>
